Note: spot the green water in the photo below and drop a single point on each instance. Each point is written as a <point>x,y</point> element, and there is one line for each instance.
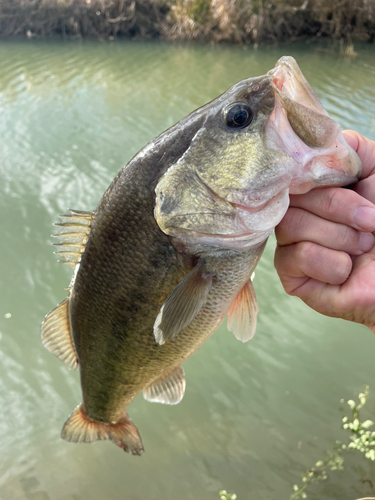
<point>254,416</point>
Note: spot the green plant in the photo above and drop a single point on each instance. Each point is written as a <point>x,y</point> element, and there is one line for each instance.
<point>360,439</point>
<point>227,496</point>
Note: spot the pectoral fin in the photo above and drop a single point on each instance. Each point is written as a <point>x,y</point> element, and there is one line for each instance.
<point>242,316</point>
<point>169,389</point>
<point>183,305</point>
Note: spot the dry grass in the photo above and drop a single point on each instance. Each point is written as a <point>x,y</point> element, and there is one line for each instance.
<point>347,51</point>
<point>256,21</point>
<point>237,21</point>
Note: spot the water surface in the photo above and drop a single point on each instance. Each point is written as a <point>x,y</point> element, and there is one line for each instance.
<point>254,416</point>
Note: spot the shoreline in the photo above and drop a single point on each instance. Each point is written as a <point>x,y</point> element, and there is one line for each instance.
<point>214,21</point>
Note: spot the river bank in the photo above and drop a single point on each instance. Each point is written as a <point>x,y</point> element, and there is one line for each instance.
<point>234,21</point>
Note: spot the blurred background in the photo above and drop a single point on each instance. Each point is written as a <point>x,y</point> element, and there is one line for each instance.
<point>83,86</point>
<point>239,21</point>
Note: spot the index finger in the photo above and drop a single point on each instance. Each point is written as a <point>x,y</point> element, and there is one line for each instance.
<point>338,205</point>
<point>365,149</point>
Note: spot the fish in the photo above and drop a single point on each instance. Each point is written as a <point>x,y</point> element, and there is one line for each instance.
<point>170,249</point>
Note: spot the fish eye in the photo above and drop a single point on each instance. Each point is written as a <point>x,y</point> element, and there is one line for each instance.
<point>239,115</point>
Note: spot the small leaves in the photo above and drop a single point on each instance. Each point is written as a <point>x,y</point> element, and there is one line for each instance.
<point>224,495</point>
<point>360,439</point>
<point>362,398</point>
<point>355,426</point>
<point>367,424</point>
<point>351,404</point>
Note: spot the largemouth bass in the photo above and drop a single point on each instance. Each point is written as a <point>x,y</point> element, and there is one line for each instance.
<point>169,251</point>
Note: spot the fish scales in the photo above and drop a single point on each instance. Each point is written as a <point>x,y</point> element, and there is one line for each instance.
<point>170,248</point>
<point>129,255</point>
<point>129,259</point>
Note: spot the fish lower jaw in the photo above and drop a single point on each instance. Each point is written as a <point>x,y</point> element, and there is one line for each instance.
<point>249,229</point>
<point>335,164</point>
<point>195,242</point>
<point>327,170</point>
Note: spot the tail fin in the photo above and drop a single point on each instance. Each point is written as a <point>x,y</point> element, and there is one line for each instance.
<point>80,429</point>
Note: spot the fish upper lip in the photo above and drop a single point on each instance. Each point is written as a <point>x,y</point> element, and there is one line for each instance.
<point>253,208</point>
<point>256,208</point>
<point>278,84</point>
<point>279,90</point>
<point>284,63</point>
<point>287,69</point>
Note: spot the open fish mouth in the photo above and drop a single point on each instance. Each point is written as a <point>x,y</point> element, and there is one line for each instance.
<point>301,127</point>
<point>270,137</point>
<point>306,114</point>
<point>316,155</point>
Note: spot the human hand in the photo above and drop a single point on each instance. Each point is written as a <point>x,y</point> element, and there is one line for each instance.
<point>325,247</point>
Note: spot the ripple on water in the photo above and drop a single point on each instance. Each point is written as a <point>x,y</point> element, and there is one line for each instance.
<point>73,114</point>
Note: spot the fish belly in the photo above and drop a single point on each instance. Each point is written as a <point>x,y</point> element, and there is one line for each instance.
<point>139,362</point>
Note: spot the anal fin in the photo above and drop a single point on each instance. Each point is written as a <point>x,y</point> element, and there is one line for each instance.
<point>169,389</point>
<point>242,315</point>
<point>57,335</point>
<point>184,304</point>
<point>81,429</point>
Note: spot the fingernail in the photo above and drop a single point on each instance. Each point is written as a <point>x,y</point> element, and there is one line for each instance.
<point>366,241</point>
<point>364,217</point>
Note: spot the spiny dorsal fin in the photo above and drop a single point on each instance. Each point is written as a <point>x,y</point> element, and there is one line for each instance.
<point>169,389</point>
<point>73,241</point>
<point>242,315</point>
<point>57,335</point>
<point>81,429</point>
<point>183,304</point>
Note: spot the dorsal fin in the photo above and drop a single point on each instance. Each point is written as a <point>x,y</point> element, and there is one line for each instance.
<point>57,335</point>
<point>168,389</point>
<point>74,236</point>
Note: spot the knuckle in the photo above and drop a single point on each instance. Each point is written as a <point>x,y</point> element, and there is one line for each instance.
<point>284,260</point>
<point>343,266</point>
<point>297,217</point>
<point>348,237</point>
<point>288,228</point>
<point>280,260</point>
<point>307,251</point>
<point>332,199</point>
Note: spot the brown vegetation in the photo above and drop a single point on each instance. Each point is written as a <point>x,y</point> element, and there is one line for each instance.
<point>96,18</point>
<point>238,21</point>
<point>257,21</point>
